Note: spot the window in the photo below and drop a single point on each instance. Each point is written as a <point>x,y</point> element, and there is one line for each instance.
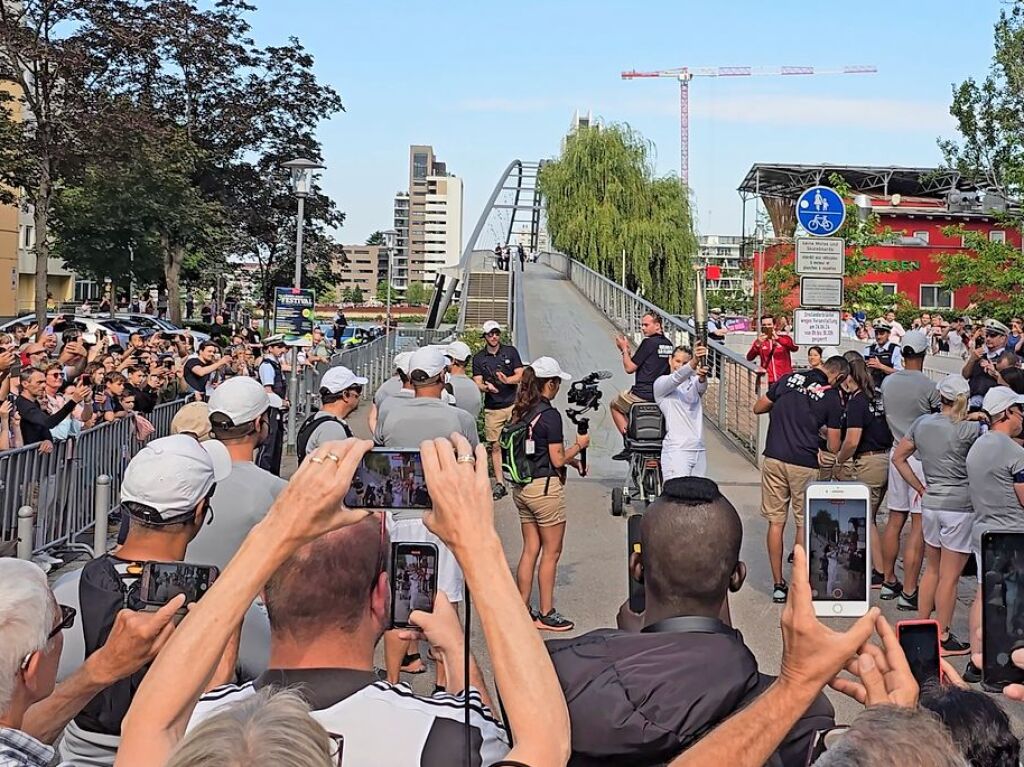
<point>922,235</point>
<point>87,290</point>
<point>936,297</point>
<point>888,288</point>
<point>28,238</point>
<point>997,235</point>
<point>419,165</point>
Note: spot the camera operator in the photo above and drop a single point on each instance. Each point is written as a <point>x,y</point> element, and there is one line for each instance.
<point>165,491</point>
<point>541,503</point>
<point>679,397</point>
<point>649,362</point>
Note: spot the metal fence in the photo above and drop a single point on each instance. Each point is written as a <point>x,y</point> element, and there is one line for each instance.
<point>734,384</point>
<point>60,486</point>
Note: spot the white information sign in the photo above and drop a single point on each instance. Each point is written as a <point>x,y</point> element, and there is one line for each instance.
<point>817,327</point>
<point>821,256</point>
<point>825,292</point>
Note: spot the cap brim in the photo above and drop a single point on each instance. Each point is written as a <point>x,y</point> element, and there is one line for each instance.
<point>221,458</point>
<point>564,376</point>
<point>274,401</point>
<point>360,381</point>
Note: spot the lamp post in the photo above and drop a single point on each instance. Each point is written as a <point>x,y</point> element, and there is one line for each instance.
<point>302,183</point>
<point>390,242</point>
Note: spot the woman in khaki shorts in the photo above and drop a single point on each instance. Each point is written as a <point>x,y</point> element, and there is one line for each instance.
<point>541,503</point>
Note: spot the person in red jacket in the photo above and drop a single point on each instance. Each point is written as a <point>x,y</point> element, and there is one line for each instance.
<point>772,350</point>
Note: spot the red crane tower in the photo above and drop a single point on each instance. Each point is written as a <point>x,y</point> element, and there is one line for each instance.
<point>685,74</point>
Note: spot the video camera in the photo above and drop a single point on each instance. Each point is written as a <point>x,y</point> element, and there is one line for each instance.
<point>586,394</point>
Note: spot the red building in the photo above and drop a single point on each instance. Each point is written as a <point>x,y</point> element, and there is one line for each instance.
<point>916,203</point>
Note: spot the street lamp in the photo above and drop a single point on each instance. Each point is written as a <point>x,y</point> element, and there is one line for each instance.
<point>390,243</point>
<point>302,184</point>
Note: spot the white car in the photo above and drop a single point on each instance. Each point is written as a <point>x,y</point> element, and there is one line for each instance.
<point>117,328</point>
<point>153,324</point>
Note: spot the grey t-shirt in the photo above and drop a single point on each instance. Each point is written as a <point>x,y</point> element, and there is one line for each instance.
<point>995,464</point>
<point>397,398</point>
<point>467,396</point>
<point>907,395</point>
<point>239,502</point>
<point>329,431</point>
<point>389,388</point>
<point>942,446</point>
<point>411,421</point>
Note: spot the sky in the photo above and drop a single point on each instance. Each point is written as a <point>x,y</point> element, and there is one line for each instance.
<point>485,83</point>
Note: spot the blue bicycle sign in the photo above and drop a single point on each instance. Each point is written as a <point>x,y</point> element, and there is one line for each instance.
<point>821,211</point>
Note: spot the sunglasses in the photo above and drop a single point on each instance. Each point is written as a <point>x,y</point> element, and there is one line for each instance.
<point>337,746</point>
<point>67,620</point>
<point>493,333</point>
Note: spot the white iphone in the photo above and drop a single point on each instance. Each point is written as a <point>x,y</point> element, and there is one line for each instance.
<point>838,546</point>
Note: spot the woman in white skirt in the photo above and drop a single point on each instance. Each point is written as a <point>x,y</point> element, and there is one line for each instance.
<point>941,441</point>
<point>678,394</point>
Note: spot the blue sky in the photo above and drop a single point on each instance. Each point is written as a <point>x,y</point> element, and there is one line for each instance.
<point>486,82</point>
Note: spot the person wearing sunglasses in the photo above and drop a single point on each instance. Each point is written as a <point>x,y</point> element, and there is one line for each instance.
<point>497,370</point>
<point>980,368</point>
<point>33,711</point>
<point>340,390</point>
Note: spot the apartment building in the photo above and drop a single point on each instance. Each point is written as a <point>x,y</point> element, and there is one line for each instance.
<point>427,220</point>
<point>726,252</point>
<point>361,268</point>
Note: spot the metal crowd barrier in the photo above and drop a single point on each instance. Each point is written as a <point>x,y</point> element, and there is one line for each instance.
<point>733,385</point>
<point>59,488</point>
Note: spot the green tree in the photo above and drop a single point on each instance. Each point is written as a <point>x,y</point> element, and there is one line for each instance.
<point>416,294</point>
<point>377,238</point>
<point>994,270</point>
<point>603,198</point>
<point>357,295</point>
<point>384,290</point>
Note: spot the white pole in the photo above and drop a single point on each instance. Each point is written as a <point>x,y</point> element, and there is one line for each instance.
<point>387,329</point>
<point>102,509</point>
<point>293,389</point>
<point>623,268</point>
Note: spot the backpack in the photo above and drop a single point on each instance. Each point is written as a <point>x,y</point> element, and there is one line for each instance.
<point>309,426</point>
<point>516,463</point>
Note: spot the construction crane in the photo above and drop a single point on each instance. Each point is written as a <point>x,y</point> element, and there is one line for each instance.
<point>685,74</point>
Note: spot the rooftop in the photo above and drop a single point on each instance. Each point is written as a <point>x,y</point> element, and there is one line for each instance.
<point>788,181</point>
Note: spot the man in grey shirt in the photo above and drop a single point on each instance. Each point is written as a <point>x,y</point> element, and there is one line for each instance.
<point>467,393</point>
<point>391,387</point>
<point>340,390</point>
<point>907,395</point>
<point>995,473</point>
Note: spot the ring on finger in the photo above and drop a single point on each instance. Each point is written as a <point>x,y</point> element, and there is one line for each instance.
<point>317,459</point>
<point>466,459</point>
<point>332,457</point>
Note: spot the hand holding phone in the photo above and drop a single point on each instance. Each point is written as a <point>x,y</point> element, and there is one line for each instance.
<point>389,479</point>
<point>919,640</point>
<point>413,581</point>
<point>162,581</point>
<point>836,516</point>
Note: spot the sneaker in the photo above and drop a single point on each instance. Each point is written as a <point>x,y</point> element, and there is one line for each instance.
<point>906,602</point>
<point>499,492</point>
<point>553,621</point>
<point>534,614</point>
<point>780,592</point>
<point>890,590</point>
<point>877,579</point>
<point>953,646</point>
<point>972,674</point>
<point>622,455</point>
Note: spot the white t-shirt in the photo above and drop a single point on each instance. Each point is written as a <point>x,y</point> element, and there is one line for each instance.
<point>897,332</point>
<point>679,396</point>
<point>383,725</point>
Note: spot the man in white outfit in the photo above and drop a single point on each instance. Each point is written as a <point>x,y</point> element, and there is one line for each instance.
<point>678,394</point>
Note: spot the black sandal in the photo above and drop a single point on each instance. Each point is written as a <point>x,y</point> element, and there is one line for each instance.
<point>409,659</point>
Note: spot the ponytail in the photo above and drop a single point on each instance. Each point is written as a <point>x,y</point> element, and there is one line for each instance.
<point>957,407</point>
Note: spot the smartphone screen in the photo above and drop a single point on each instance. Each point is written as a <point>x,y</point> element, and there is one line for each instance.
<point>389,479</point>
<point>413,580</point>
<point>637,595</point>
<point>920,643</point>
<point>1002,616</point>
<point>837,548</point>
<point>162,581</point>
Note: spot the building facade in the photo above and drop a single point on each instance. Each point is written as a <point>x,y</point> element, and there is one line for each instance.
<point>726,252</point>
<point>361,268</point>
<point>427,221</point>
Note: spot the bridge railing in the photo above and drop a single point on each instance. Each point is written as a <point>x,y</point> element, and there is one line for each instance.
<point>734,383</point>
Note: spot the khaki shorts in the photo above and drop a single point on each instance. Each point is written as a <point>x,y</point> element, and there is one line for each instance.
<point>625,400</point>
<point>494,422</point>
<point>537,508</point>
<point>826,468</point>
<point>784,485</point>
<point>873,470</point>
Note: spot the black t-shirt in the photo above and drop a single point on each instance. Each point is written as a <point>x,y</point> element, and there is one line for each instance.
<point>547,431</point>
<point>834,407</point>
<point>797,415</point>
<point>195,381</point>
<point>145,398</point>
<point>862,413</point>
<point>651,360</point>
<point>487,365</point>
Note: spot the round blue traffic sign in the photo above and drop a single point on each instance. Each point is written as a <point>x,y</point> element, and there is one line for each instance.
<point>821,211</point>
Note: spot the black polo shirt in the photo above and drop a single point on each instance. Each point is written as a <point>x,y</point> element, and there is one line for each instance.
<point>862,413</point>
<point>797,415</point>
<point>834,407</point>
<point>651,360</point>
<point>547,431</point>
<point>487,365</point>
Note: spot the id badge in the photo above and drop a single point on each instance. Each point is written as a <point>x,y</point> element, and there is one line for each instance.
<point>531,447</point>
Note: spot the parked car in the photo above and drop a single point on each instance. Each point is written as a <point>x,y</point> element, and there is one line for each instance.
<point>168,328</point>
<point>118,329</point>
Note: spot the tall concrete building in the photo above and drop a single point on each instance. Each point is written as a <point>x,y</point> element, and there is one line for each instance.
<point>428,220</point>
<point>726,251</point>
<point>362,268</point>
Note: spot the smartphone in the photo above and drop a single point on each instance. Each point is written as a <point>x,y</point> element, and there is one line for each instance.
<point>162,581</point>
<point>389,479</point>
<point>413,580</point>
<point>920,643</point>
<point>1002,607</point>
<point>836,519</point>
<point>15,369</point>
<point>637,595</point>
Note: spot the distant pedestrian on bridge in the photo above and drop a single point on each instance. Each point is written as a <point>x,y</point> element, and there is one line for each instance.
<point>497,370</point>
<point>649,363</point>
<point>521,252</point>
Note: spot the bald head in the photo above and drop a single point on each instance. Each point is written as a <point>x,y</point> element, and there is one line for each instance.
<point>690,538</point>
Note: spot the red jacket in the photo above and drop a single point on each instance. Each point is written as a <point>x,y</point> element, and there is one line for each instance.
<point>773,356</point>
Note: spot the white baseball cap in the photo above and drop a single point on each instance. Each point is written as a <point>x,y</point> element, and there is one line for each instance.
<point>547,367</point>
<point>428,360</point>
<point>458,351</point>
<point>402,361</point>
<point>491,325</point>
<point>829,352</point>
<point>916,340</point>
<point>173,474</point>
<point>339,378</point>
<point>242,399</point>
<point>953,385</point>
<point>999,398</point>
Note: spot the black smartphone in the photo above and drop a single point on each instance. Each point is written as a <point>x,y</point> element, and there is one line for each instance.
<point>920,643</point>
<point>1002,607</point>
<point>15,369</point>
<point>389,479</point>
<point>162,581</point>
<point>637,595</point>
<point>413,580</point>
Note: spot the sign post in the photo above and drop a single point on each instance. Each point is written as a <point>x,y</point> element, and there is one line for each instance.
<point>826,292</point>
<point>816,327</point>
<point>821,211</point>
<point>293,314</point>
<point>821,263</point>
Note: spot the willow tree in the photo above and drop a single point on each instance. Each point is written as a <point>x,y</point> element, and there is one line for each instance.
<point>603,198</point>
